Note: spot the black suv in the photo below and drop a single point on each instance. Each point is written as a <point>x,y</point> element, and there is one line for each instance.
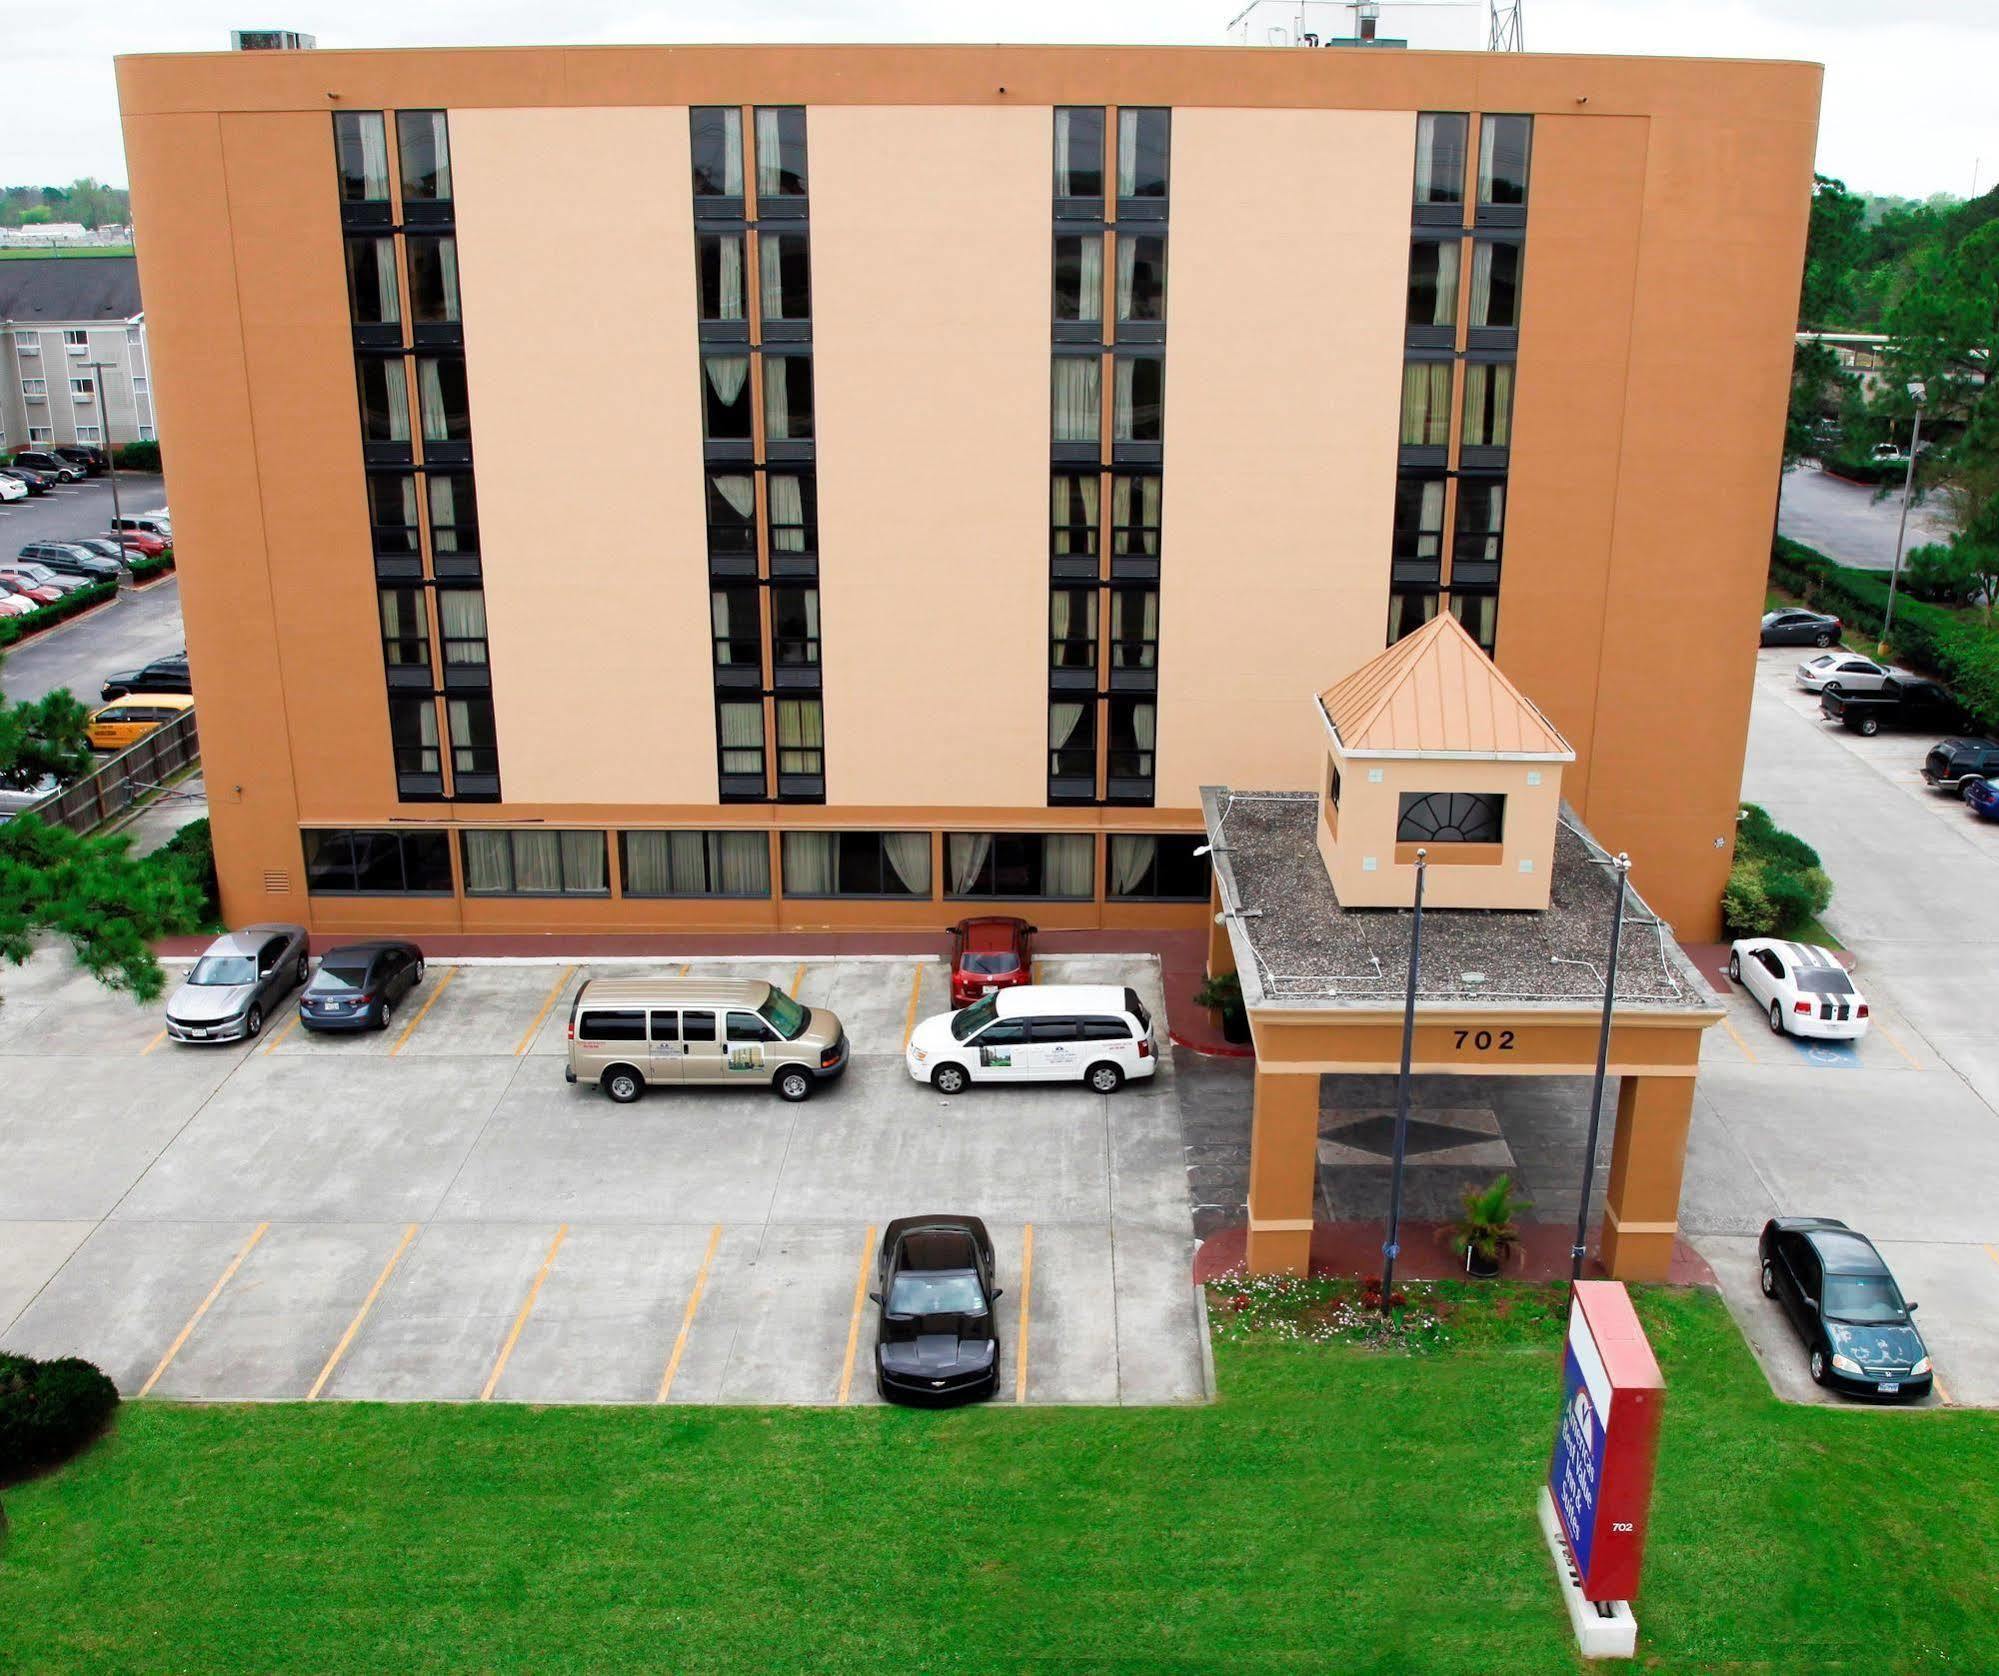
<point>51,465</point>
<point>1953,761</point>
<point>90,461</point>
<point>71,560</point>
<point>163,675</point>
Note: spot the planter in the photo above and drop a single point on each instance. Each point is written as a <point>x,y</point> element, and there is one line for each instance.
<point>1481,1268</point>
<point>1235,1025</point>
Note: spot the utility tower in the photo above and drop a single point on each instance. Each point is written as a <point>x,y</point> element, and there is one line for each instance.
<point>1505,27</point>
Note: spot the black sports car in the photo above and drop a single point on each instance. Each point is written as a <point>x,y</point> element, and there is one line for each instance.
<point>357,986</point>
<point>1839,1293</point>
<point>935,1341</point>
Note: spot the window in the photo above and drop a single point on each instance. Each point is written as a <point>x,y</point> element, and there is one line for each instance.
<point>1488,404</point>
<point>461,622</point>
<point>148,434</point>
<point>616,1025</point>
<point>28,343</point>
<point>76,342</point>
<point>725,398</point>
<point>35,389</point>
<point>738,629</point>
<point>1079,152</point>
<point>41,433</point>
<point>1133,722</point>
<point>1408,611</point>
<point>413,738</point>
<point>474,749</point>
<point>793,512</point>
<point>1072,739</point>
<point>377,863</point>
<point>1479,612</point>
<point>1016,866</point>
<point>1440,158</point>
<point>1072,628</point>
<point>715,134</point>
<point>537,862</point>
<point>794,627</point>
<point>1157,867</point>
<point>433,279</point>
<point>1481,523</point>
<point>1078,398</point>
<point>1419,522</point>
<point>371,282</point>
<point>424,146</point>
<point>788,398</point>
<point>1143,144</point>
<point>856,863</point>
<point>454,512</point>
<point>1426,404</point>
<point>780,152</point>
<point>801,737</point>
<point>361,149</point>
<point>718,266</point>
<point>732,512</point>
<point>1134,628</point>
<point>1433,282</point>
<point>1449,817</point>
<point>392,512</point>
<point>1137,411</point>
<point>1079,277</point>
<point>84,433</point>
<point>1495,285</point>
<point>740,730</point>
<point>1141,277</point>
<point>1503,143</point>
<point>784,275</point>
<point>1135,515</point>
<point>1072,515</point>
<point>83,389</point>
<point>140,386</point>
<point>440,389</point>
<point>405,628</point>
<point>694,863</point>
<point>385,402</point>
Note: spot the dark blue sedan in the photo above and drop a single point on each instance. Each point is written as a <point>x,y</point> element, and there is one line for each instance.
<point>1983,796</point>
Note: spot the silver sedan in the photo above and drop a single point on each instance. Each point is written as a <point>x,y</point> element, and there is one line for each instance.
<point>237,983</point>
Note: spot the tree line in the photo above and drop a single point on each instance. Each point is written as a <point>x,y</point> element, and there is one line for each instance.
<point>88,201</point>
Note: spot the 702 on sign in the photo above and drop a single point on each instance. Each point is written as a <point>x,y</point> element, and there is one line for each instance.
<point>1483,1041</point>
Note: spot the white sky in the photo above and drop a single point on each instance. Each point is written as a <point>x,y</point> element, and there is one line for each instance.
<point>1909,101</point>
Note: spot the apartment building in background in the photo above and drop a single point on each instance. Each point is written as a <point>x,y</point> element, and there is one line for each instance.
<point>58,314</point>
<point>990,447</point>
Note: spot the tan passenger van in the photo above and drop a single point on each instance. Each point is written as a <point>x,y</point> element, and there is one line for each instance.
<point>628,1034</point>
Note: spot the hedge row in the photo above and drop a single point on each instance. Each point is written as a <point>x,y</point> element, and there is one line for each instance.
<point>17,628</point>
<point>48,1411</point>
<point>138,456</point>
<point>1960,651</point>
<point>142,567</point>
<point>1872,472</point>
<point>1776,885</point>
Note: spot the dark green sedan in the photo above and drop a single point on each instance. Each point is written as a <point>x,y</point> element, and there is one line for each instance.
<point>1860,1336</point>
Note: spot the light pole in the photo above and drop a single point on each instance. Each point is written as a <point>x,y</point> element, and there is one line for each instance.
<point>1917,390</point>
<point>1623,866</point>
<point>100,368</point>
<point>1391,1247</point>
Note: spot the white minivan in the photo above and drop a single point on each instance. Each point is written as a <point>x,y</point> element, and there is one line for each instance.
<point>1092,1033</point>
<point>148,523</point>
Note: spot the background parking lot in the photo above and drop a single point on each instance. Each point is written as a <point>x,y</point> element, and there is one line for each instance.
<point>431,1212</point>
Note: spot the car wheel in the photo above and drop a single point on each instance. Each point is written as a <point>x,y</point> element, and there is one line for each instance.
<point>1867,727</point>
<point>384,1010</point>
<point>1822,638</point>
<point>881,1386</point>
<point>1769,1278</point>
<point>304,968</point>
<point>793,1085</point>
<point>1834,688</point>
<point>949,1079</point>
<point>1964,791</point>
<point>1734,967</point>
<point>254,1023</point>
<point>1818,1366</point>
<point>1105,1077</point>
<point>623,1084</point>
<point>1776,1019</point>
<point>419,973</point>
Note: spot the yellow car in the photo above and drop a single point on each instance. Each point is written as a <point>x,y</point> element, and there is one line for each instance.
<point>125,721</point>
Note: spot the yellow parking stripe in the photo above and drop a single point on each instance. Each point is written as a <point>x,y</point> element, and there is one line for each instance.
<point>1728,1024</point>
<point>527,1309</point>
<point>289,1026</point>
<point>409,1029</point>
<point>687,1320</point>
<point>909,1020</point>
<point>1992,1253</point>
<point>854,1322</point>
<point>1914,1065</point>
<point>797,978</point>
<point>194,1320</point>
<point>554,995</point>
<point>683,971</point>
<point>360,1315</point>
<point>1026,1298</point>
<point>155,1042</point>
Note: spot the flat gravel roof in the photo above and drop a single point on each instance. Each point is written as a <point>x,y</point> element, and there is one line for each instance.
<point>1306,950</point>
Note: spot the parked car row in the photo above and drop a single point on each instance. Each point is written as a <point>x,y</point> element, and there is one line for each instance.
<point>243,976</point>
<point>35,471</point>
<point>46,570</point>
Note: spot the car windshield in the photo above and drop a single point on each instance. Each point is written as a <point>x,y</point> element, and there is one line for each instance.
<point>990,962</point>
<point>339,979</point>
<point>1817,982</point>
<point>1864,1299</point>
<point>222,969</point>
<point>784,1015</point>
<point>966,1024</point>
<point>936,1294</point>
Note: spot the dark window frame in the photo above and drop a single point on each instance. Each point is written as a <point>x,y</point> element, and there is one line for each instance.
<point>403,841</point>
<point>885,867</point>
<point>511,833</point>
<point>710,866</point>
<point>1005,853</point>
<point>1190,840</point>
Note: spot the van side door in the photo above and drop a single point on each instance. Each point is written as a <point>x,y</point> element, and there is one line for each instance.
<point>745,1052</point>
<point>663,1046</point>
<point>701,1057</point>
<point>1003,1052</point>
<point>1057,1050</point>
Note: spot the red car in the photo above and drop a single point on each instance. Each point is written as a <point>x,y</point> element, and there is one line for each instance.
<point>150,546</point>
<point>988,955</point>
<point>19,582</point>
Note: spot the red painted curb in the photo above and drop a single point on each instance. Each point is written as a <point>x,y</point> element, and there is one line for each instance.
<point>1228,1050</point>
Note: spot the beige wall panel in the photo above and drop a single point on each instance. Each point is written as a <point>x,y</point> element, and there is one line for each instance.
<point>932,305</point>
<point>1283,380</point>
<point>596,588</point>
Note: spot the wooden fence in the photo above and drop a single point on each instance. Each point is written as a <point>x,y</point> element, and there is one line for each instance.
<point>124,779</point>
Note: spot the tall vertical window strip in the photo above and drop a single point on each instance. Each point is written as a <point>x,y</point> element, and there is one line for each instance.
<point>716,148</point>
<point>1426,404</point>
<point>423,142</point>
<point>1079,152</point>
<point>1143,147</point>
<point>1488,405</point>
<point>1440,158</point>
<point>1503,144</point>
<point>361,151</point>
<point>780,135</point>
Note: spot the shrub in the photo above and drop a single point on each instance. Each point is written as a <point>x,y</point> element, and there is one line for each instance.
<point>1745,910</point>
<point>1939,573</point>
<point>1776,885</point>
<point>190,856</point>
<point>142,568</point>
<point>139,456</point>
<point>1795,897</point>
<point>43,616</point>
<point>48,1411</point>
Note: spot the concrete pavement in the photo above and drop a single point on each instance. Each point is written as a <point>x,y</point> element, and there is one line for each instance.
<point>1846,522</point>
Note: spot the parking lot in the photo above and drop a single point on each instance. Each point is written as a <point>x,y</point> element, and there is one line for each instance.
<point>433,1213</point>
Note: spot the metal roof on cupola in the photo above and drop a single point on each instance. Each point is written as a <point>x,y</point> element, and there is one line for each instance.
<point>1434,693</point>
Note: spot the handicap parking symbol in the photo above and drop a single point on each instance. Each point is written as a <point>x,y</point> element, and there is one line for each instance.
<point>1838,1056</point>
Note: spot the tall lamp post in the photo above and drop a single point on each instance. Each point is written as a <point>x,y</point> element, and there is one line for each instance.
<point>1391,1247</point>
<point>100,368</point>
<point>1918,390</point>
<point>1623,866</point>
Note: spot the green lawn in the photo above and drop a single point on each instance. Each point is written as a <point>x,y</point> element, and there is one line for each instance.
<point>21,253</point>
<point>1341,1509</point>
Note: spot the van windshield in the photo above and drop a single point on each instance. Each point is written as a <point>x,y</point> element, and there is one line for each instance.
<point>971,1020</point>
<point>784,1015</point>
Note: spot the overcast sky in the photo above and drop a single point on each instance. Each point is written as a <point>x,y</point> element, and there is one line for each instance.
<point>1909,101</point>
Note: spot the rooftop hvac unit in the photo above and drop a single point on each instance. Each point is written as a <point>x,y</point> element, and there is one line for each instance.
<point>270,40</point>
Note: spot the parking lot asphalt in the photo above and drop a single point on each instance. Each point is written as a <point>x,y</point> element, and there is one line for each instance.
<point>1900,1139</point>
<point>1849,523</point>
<point>431,1212</point>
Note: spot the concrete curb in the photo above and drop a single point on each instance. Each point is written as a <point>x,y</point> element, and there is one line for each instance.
<point>1207,1342</point>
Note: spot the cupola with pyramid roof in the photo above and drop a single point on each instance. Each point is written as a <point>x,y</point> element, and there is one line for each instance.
<point>1429,746</point>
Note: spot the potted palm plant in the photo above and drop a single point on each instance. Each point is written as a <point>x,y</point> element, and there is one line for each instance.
<point>1486,1234</point>
<point>1223,996</point>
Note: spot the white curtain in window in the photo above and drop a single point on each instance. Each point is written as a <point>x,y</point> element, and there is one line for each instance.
<point>908,856</point>
<point>1058,612</point>
<point>1481,281</point>
<point>965,857</point>
<point>778,396</point>
<point>1446,311</point>
<point>395,399</point>
<point>732,153</point>
<point>1131,859</point>
<point>374,134</point>
<point>808,863</point>
<point>1426,152</point>
<point>583,866</point>
<point>1426,404</point>
<point>1144,725</point>
<point>800,736</point>
<point>739,492</point>
<point>383,281</point>
<point>770,155</point>
<point>742,864</point>
<point>1077,397</point>
<point>1063,188</point>
<point>1488,405</point>
<point>537,860</point>
<point>1121,399</point>
<point>787,514</point>
<point>770,254</point>
<point>726,376</point>
<point>488,863</point>
<point>742,738</point>
<point>1127,153</point>
<point>461,612</point>
<point>1065,722</point>
<point>447,273</point>
<point>648,870</point>
<point>411,124</point>
<point>1090,279</point>
<point>1067,864</point>
<point>729,260</point>
<point>1127,274</point>
<point>1486,133</point>
<point>430,398</point>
